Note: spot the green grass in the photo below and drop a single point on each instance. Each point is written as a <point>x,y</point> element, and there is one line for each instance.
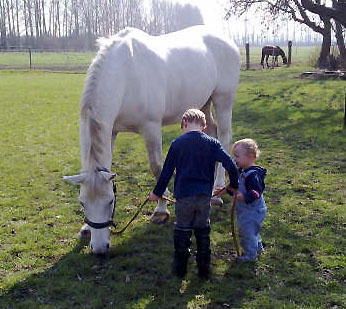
<point>298,124</point>
<point>46,60</point>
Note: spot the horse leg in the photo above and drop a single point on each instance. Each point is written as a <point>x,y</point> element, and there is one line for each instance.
<point>223,108</point>
<point>262,60</point>
<point>211,129</point>
<point>114,136</point>
<point>153,142</point>
<point>267,57</point>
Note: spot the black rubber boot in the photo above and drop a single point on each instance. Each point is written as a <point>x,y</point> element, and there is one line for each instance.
<point>203,252</point>
<point>182,242</point>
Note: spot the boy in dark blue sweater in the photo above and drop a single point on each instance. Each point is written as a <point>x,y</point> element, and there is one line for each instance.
<point>193,156</point>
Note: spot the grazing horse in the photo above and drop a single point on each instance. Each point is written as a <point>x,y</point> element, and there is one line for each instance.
<point>138,83</point>
<point>275,52</point>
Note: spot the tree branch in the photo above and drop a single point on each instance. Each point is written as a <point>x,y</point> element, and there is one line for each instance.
<point>338,13</point>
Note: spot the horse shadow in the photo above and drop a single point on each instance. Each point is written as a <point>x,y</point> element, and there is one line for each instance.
<point>134,269</point>
<point>135,273</point>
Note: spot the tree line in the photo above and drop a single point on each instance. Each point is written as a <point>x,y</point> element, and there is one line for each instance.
<point>75,24</point>
<point>318,15</point>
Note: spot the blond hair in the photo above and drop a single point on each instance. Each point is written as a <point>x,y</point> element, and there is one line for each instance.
<point>194,115</point>
<point>249,145</point>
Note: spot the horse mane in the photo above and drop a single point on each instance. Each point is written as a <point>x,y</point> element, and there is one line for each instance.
<point>280,50</point>
<point>92,126</point>
<point>105,44</point>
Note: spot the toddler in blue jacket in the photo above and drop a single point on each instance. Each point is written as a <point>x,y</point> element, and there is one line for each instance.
<point>250,206</point>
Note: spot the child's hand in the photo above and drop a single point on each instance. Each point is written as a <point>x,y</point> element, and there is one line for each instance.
<point>219,192</point>
<point>240,196</point>
<point>153,197</point>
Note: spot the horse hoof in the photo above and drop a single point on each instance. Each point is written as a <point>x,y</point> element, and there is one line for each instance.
<point>216,201</point>
<point>159,217</point>
<point>84,234</point>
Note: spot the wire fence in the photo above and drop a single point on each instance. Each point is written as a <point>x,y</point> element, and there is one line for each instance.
<point>46,59</point>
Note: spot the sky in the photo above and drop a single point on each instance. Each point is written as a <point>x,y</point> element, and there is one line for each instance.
<point>213,12</point>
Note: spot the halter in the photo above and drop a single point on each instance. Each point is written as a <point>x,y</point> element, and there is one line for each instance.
<point>102,225</point>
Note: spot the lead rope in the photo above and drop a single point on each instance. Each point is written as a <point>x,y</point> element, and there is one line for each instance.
<point>234,236</point>
<point>232,211</point>
<point>137,213</point>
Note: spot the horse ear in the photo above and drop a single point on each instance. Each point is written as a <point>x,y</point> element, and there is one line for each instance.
<point>76,179</point>
<point>108,176</point>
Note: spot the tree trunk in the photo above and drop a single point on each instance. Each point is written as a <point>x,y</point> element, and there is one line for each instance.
<point>44,28</point>
<point>326,43</point>
<point>14,35</point>
<point>17,23</point>
<point>9,22</point>
<point>3,34</point>
<point>341,44</point>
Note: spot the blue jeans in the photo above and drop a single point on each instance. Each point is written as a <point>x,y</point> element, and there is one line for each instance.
<point>250,220</point>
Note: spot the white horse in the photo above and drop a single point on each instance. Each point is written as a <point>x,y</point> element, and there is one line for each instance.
<point>138,83</point>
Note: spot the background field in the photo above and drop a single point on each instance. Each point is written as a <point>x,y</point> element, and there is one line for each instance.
<point>50,60</point>
<point>298,124</point>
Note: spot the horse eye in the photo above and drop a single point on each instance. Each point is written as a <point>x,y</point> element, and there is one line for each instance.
<point>82,204</point>
<point>111,202</point>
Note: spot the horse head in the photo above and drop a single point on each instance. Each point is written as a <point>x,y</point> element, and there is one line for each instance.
<point>283,55</point>
<point>97,197</point>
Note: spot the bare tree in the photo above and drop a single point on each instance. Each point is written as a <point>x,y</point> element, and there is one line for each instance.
<point>337,12</point>
<point>296,10</point>
<point>77,23</point>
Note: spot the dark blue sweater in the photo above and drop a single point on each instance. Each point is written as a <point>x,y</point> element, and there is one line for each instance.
<point>193,156</point>
<point>254,182</point>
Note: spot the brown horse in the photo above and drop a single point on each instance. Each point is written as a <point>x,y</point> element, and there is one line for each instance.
<point>275,52</point>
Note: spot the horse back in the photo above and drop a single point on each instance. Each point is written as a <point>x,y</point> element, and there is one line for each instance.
<point>162,76</point>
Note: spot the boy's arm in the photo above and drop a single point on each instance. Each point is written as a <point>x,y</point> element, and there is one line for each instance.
<point>166,174</point>
<point>228,164</point>
<point>254,188</point>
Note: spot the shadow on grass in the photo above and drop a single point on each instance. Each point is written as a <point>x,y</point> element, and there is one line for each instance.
<point>135,273</point>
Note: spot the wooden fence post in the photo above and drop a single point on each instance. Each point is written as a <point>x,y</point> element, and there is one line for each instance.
<point>247,49</point>
<point>345,111</point>
<point>30,58</point>
<point>289,52</point>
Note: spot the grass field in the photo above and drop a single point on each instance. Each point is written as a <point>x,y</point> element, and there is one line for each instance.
<point>298,124</point>
<point>46,60</point>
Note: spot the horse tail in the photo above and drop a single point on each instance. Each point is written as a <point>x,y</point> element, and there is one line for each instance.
<point>211,129</point>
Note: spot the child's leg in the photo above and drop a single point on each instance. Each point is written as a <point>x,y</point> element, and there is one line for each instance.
<point>203,251</point>
<point>259,244</point>
<point>262,213</point>
<point>249,233</point>
<point>248,241</point>
<point>182,235</point>
<point>182,242</point>
<point>202,234</point>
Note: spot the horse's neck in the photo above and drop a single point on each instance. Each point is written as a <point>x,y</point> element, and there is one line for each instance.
<point>95,145</point>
